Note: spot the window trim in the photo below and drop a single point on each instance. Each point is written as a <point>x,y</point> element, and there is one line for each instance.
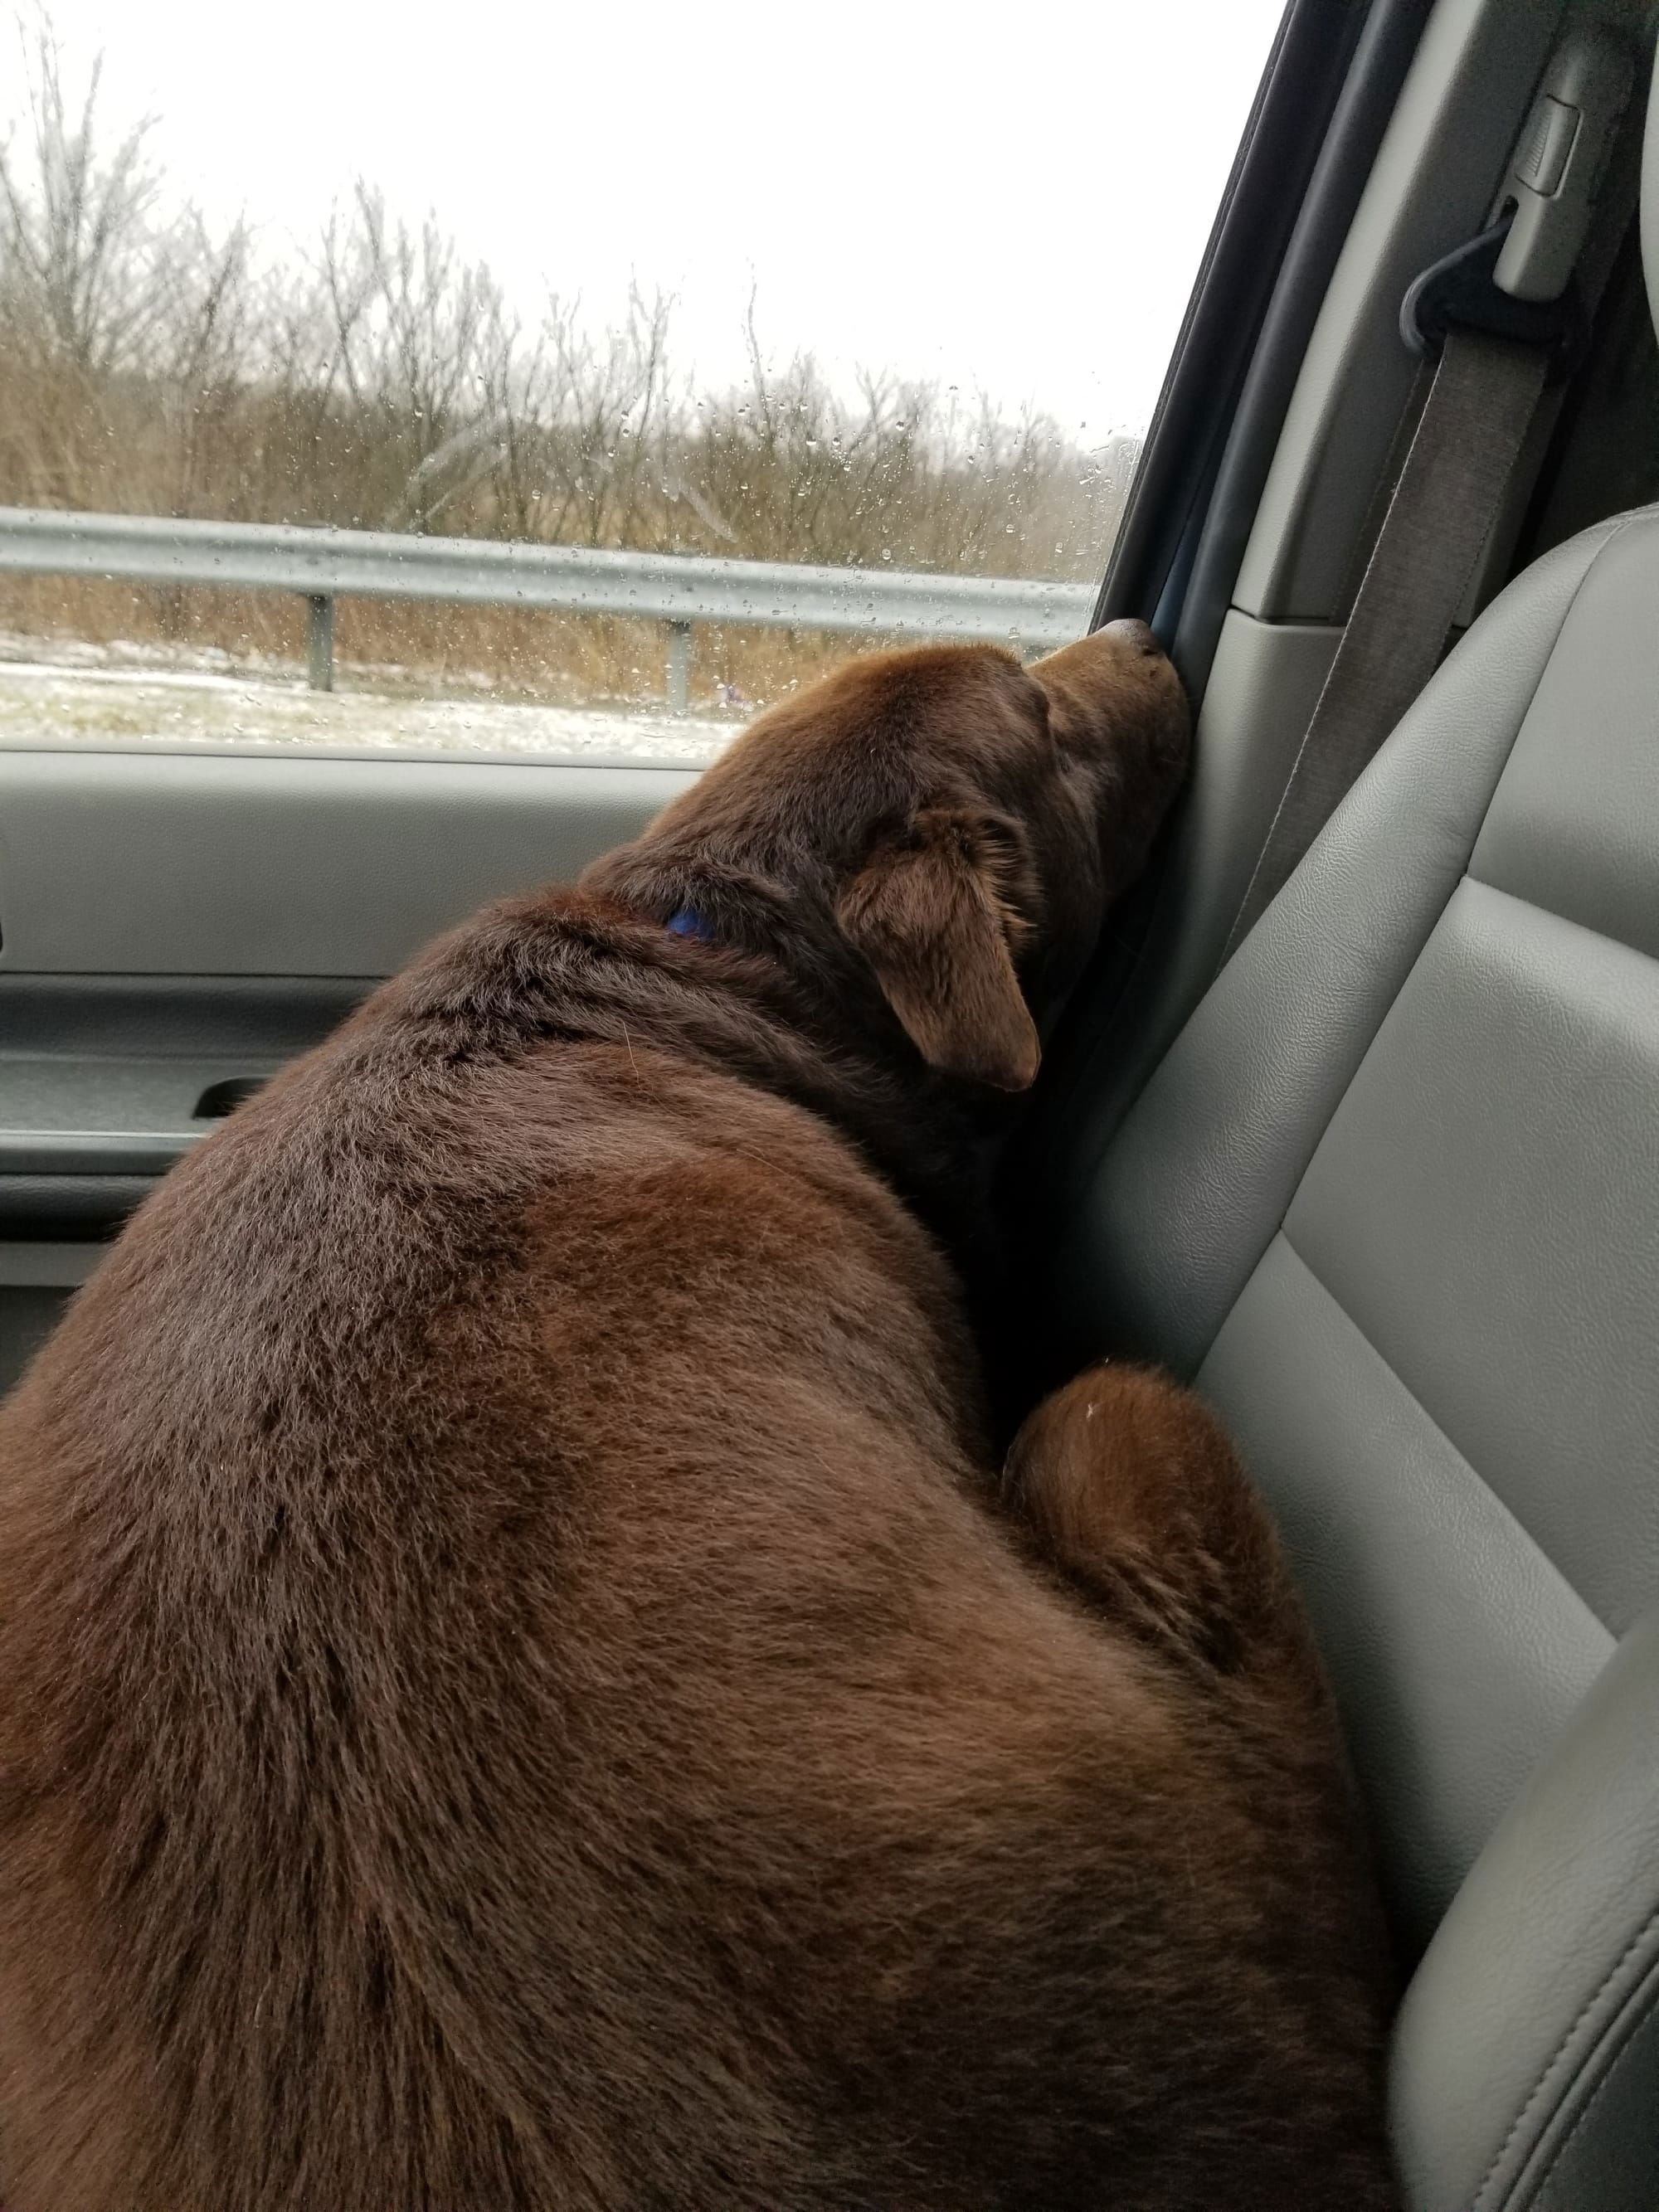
<point>1329,86</point>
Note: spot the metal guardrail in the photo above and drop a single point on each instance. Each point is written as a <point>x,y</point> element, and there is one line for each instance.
<point>676,589</point>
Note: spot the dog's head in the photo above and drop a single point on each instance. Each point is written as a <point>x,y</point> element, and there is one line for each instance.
<point>948,822</point>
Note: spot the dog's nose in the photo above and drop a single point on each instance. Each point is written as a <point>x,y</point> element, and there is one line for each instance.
<point>1135,634</point>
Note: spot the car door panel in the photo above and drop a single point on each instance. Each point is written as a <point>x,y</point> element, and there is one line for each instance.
<point>230,910</point>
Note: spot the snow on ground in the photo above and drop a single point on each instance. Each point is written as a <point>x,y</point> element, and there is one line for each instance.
<point>55,691</point>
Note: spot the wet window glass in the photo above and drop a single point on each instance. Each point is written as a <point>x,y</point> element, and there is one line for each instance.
<point>654,358</point>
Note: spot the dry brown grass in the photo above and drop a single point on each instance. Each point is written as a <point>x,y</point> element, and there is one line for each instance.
<point>555,659</point>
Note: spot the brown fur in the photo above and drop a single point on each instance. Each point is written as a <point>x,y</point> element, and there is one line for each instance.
<point>521,1684</point>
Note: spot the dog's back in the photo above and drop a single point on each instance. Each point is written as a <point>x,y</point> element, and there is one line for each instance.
<point>408,1475</point>
<point>516,1693</point>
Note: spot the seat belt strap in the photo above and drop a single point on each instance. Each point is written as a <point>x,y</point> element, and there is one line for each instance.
<point>1457,469</point>
<point>1500,316</point>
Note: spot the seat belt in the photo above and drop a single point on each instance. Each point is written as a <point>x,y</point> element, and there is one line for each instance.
<point>1458,469</point>
<point>1499,318</point>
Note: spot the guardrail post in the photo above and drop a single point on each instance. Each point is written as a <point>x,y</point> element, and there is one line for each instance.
<point>680,667</point>
<point>319,641</point>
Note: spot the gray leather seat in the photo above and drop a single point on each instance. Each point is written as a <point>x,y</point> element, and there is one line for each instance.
<point>1392,1200</point>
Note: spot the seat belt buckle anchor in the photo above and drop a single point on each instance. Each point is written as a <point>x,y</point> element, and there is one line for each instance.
<point>1515,280</point>
<point>1458,293</point>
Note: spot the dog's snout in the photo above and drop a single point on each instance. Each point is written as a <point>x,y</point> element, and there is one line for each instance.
<point>1135,634</point>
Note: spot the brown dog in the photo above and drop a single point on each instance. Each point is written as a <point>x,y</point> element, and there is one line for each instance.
<point>519,1684</point>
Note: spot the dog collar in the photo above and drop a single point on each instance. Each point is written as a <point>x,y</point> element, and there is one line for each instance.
<point>686,921</point>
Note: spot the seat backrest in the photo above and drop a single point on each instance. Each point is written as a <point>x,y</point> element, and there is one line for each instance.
<point>1392,1200</point>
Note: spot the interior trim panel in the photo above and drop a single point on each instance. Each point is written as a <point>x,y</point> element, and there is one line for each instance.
<point>229,864</point>
<point>174,927</point>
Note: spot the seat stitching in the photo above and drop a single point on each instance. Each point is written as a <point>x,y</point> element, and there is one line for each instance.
<point>1643,2015</point>
<point>1599,937</point>
<point>1462,1457</point>
<point>1550,914</point>
<point>1542,2085</point>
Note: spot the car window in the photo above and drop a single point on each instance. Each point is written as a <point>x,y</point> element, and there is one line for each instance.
<point>762,336</point>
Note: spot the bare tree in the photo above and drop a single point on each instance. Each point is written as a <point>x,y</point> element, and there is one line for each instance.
<point>611,407</point>
<point>82,257</point>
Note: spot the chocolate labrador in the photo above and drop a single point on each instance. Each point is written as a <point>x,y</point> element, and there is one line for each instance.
<point>521,1686</point>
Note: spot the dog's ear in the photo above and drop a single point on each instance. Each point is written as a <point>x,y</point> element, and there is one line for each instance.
<point>929,911</point>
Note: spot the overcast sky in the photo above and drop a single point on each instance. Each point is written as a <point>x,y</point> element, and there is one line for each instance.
<point>1011,197</point>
